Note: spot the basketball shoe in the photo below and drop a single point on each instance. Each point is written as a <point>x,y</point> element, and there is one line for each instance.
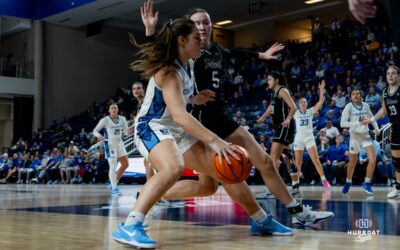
<point>326,185</point>
<point>133,235</point>
<point>346,187</point>
<point>116,192</point>
<point>266,194</point>
<point>395,192</point>
<point>269,226</point>
<point>367,187</point>
<point>309,217</point>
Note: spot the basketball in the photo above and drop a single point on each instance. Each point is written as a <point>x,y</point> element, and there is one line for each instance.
<point>237,171</point>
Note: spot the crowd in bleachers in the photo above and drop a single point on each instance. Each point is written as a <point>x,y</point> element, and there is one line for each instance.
<point>348,56</point>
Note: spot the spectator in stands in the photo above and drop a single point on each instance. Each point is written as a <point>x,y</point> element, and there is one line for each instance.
<point>258,81</point>
<point>52,171</point>
<point>381,84</point>
<point>25,169</point>
<point>338,67</point>
<point>336,158</point>
<point>14,167</point>
<point>238,116</point>
<point>320,72</point>
<point>373,99</point>
<point>317,31</point>
<point>331,131</point>
<point>340,99</point>
<point>243,123</point>
<point>4,162</point>
<point>238,80</point>
<point>42,168</point>
<point>332,106</point>
<point>346,136</point>
<point>64,165</point>
<point>330,116</point>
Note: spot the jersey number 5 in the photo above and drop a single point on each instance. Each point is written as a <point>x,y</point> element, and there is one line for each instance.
<point>215,79</point>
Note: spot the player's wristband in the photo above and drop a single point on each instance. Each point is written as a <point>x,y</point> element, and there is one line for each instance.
<point>373,119</point>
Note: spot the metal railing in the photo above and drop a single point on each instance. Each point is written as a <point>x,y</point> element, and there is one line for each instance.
<point>384,134</point>
<point>129,143</point>
<point>16,68</point>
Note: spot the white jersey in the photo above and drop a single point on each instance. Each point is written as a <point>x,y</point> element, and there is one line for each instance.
<point>113,130</point>
<point>155,110</point>
<point>304,123</point>
<point>155,123</point>
<point>353,115</point>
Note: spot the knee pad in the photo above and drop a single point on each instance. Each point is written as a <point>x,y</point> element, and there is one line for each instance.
<point>288,153</point>
<point>292,169</point>
<point>396,163</point>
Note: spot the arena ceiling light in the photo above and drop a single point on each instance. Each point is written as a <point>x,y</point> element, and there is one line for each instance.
<point>313,1</point>
<point>225,22</point>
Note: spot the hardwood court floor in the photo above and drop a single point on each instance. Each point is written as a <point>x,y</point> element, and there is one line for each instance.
<point>84,216</point>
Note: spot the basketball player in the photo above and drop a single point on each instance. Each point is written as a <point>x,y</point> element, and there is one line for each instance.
<point>115,126</point>
<point>391,107</point>
<point>208,70</point>
<point>138,93</point>
<point>282,109</point>
<point>169,137</point>
<point>352,116</point>
<point>304,138</point>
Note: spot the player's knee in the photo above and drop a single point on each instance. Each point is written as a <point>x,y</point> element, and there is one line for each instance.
<point>396,163</point>
<point>263,163</point>
<point>207,189</point>
<point>176,170</point>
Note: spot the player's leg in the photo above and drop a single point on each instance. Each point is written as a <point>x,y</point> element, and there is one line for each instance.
<point>205,186</point>
<point>112,175</point>
<point>200,158</point>
<point>312,151</point>
<point>370,150</point>
<point>396,162</point>
<point>149,169</point>
<point>168,161</point>
<point>354,150</point>
<point>263,162</point>
<point>272,179</point>
<point>298,155</point>
<point>123,159</point>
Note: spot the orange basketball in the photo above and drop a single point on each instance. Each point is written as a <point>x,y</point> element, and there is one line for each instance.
<point>237,171</point>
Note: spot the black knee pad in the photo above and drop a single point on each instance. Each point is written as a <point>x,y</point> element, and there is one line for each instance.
<point>396,163</point>
<point>293,168</point>
<point>288,153</point>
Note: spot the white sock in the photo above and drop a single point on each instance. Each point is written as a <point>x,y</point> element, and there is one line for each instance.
<point>323,177</point>
<point>367,179</point>
<point>259,216</point>
<point>112,175</point>
<point>133,217</point>
<point>293,203</point>
<point>348,180</point>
